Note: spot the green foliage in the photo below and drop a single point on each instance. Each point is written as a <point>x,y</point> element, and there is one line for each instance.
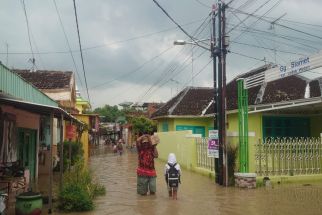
<point>75,198</point>
<point>77,153</point>
<point>99,190</point>
<point>79,189</point>
<point>232,157</point>
<point>111,113</point>
<point>143,125</point>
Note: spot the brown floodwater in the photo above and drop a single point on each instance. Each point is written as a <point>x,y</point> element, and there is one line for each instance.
<point>197,195</point>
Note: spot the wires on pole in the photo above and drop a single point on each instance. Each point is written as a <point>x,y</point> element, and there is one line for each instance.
<point>81,53</point>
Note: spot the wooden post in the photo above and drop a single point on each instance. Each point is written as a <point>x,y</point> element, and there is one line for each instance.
<point>61,159</point>
<point>50,193</point>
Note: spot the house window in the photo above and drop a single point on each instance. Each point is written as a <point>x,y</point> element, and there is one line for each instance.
<point>276,126</point>
<point>165,126</point>
<point>194,129</point>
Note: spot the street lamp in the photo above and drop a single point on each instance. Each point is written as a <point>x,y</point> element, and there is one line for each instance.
<point>218,50</point>
<point>215,51</point>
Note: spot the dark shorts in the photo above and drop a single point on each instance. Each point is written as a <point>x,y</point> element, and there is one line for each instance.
<point>145,184</point>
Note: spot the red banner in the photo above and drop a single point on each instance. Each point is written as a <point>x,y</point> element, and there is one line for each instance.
<point>70,132</point>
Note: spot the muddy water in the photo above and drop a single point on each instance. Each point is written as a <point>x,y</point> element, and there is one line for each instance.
<point>197,194</point>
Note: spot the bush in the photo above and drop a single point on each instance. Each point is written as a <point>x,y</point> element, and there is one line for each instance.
<point>79,190</point>
<point>77,154</point>
<point>232,157</point>
<point>74,197</point>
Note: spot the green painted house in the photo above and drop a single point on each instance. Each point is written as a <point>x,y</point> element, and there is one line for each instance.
<point>189,110</point>
<point>289,107</point>
<point>26,121</point>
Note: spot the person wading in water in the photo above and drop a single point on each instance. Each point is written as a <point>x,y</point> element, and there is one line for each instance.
<point>146,174</point>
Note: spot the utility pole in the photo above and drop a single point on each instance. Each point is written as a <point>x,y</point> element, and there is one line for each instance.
<point>225,44</point>
<point>214,57</point>
<point>220,97</point>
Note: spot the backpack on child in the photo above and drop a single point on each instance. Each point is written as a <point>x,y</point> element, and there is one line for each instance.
<point>173,176</point>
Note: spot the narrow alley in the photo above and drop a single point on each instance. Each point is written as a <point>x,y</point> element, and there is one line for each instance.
<point>197,194</point>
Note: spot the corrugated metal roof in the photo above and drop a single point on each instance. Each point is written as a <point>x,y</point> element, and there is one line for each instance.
<point>36,108</point>
<point>12,84</point>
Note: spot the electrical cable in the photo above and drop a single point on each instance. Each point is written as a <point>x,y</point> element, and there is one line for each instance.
<point>104,45</point>
<point>203,4</point>
<point>135,70</point>
<point>258,19</point>
<point>81,52</point>
<point>179,26</point>
<point>247,17</point>
<point>68,44</point>
<point>28,30</point>
<point>284,26</point>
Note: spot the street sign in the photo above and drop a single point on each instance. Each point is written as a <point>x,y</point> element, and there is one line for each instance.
<point>213,148</point>
<point>213,134</point>
<point>213,144</point>
<point>295,67</point>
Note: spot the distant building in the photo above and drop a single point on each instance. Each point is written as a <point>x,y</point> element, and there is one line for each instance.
<point>58,85</point>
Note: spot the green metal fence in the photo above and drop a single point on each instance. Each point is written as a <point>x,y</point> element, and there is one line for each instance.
<point>203,161</point>
<point>288,156</point>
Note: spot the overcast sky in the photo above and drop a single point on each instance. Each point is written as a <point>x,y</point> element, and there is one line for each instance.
<point>128,44</point>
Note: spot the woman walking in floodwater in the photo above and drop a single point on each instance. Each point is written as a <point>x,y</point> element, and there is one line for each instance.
<point>146,174</point>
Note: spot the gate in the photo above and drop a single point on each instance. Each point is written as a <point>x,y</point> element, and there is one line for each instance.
<point>203,161</point>
<point>288,156</point>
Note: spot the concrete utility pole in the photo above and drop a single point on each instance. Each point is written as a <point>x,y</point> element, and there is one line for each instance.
<point>214,55</point>
<point>221,98</point>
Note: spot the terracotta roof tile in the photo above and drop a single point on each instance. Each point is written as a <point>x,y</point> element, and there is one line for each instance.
<point>44,79</point>
<point>193,101</point>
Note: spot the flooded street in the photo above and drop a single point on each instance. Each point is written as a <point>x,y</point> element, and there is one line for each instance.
<point>197,194</point>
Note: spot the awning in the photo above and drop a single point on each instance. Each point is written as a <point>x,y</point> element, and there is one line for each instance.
<point>37,108</point>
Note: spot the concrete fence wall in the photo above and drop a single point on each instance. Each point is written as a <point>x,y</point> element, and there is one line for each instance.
<point>182,144</point>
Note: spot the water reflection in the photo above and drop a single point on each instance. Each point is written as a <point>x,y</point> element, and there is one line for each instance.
<point>197,194</point>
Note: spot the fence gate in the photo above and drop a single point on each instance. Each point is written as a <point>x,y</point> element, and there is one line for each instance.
<point>288,156</point>
<point>203,161</point>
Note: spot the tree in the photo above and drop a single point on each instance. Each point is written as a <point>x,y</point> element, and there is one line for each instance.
<point>111,113</point>
<point>143,125</point>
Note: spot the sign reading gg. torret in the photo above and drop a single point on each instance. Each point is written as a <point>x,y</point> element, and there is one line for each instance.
<point>297,66</point>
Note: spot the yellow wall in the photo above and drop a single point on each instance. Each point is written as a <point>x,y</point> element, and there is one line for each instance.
<point>173,122</point>
<point>84,137</point>
<point>254,125</point>
<point>183,147</point>
<point>79,107</point>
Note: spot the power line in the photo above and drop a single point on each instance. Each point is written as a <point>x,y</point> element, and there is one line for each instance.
<point>262,5</point>
<point>262,47</point>
<point>284,26</point>
<point>28,30</point>
<point>282,36</point>
<point>81,52</point>
<point>203,4</point>
<point>250,57</point>
<point>254,23</point>
<point>135,70</point>
<point>67,41</point>
<point>179,26</point>
<point>104,45</point>
<point>176,74</point>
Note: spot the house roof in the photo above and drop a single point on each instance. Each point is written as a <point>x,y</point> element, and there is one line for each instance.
<point>46,79</point>
<point>36,107</point>
<point>14,85</point>
<point>197,101</point>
